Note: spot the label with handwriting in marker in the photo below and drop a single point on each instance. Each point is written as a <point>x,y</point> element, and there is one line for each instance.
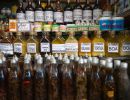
<point>99,47</point>
<point>45,47</point>
<point>73,47</point>
<point>85,47</point>
<point>18,47</point>
<point>31,47</point>
<point>49,16</point>
<point>20,16</point>
<point>77,13</point>
<point>58,48</point>
<point>113,47</point>
<point>68,16</point>
<point>39,16</point>
<point>29,16</point>
<point>24,27</point>
<point>126,47</point>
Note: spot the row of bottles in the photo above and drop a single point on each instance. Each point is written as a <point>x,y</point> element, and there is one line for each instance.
<point>61,15</point>
<point>63,78</point>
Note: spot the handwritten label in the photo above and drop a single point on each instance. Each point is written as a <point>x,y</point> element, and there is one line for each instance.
<point>45,47</point>
<point>85,47</point>
<point>58,48</point>
<point>18,47</point>
<point>24,27</point>
<point>113,47</point>
<point>71,47</point>
<point>99,47</point>
<point>126,47</point>
<point>31,48</point>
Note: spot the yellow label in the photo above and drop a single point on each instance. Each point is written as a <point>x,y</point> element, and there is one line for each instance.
<point>110,94</point>
<point>38,26</point>
<point>47,28</point>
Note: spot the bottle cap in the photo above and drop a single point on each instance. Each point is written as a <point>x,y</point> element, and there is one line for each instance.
<point>102,62</point>
<point>1,61</point>
<point>56,55</point>
<point>71,57</point>
<point>16,58</point>
<point>26,61</point>
<point>13,61</point>
<point>81,60</point>
<point>117,62</point>
<point>77,58</point>
<point>90,59</point>
<point>67,61</point>
<point>40,60</point>
<point>95,60</point>
<point>36,56</point>
<point>109,60</point>
<point>109,65</point>
<point>53,60</point>
<point>85,60</point>
<point>49,57</point>
<point>124,65</point>
<point>46,55</point>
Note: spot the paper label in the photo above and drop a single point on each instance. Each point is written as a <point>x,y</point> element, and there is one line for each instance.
<point>12,25</point>
<point>24,27</point>
<point>31,47</point>
<point>48,16</point>
<point>39,16</point>
<point>47,28</point>
<point>29,16</point>
<point>45,47</point>
<point>97,13</point>
<point>18,47</point>
<point>85,47</point>
<point>77,14</point>
<point>110,94</point>
<point>68,16</point>
<point>58,48</point>
<point>87,14</point>
<point>38,26</point>
<point>58,17</point>
<point>126,47</point>
<point>99,47</point>
<point>71,47</point>
<point>6,48</point>
<point>113,47</point>
<point>20,16</point>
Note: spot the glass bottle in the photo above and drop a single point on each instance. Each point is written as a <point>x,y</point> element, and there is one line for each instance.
<point>107,9</point>
<point>109,86</point>
<point>19,45</point>
<point>98,45</point>
<point>84,45</point>
<point>58,45</point>
<point>112,46</point>
<point>14,81</point>
<point>39,13</point>
<point>71,45</point>
<point>87,11</point>
<point>68,13</point>
<point>77,12</point>
<point>29,12</point>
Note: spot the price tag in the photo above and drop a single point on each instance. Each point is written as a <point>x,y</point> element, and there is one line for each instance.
<point>99,47</point>
<point>58,48</point>
<point>24,27</point>
<point>126,47</point>
<point>12,25</point>
<point>85,47</point>
<point>71,47</point>
<point>31,48</point>
<point>18,47</point>
<point>45,47</point>
<point>113,47</point>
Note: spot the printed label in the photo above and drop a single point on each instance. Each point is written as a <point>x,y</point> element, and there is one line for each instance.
<point>97,13</point>
<point>39,16</point>
<point>126,47</point>
<point>110,94</point>
<point>20,16</point>
<point>98,47</point>
<point>58,48</point>
<point>31,48</point>
<point>87,14</point>
<point>38,26</point>
<point>71,47</point>
<point>30,16</point>
<point>12,25</point>
<point>68,16</point>
<point>58,17</point>
<point>18,47</point>
<point>49,16</point>
<point>24,27</point>
<point>45,47</point>
<point>85,47</point>
<point>77,14</point>
<point>113,47</point>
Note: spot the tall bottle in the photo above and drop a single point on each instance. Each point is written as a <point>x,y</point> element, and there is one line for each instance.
<point>39,13</point>
<point>97,11</point>
<point>71,45</point>
<point>49,11</point>
<point>98,45</point>
<point>14,81</point>
<point>107,9</point>
<point>68,13</point>
<point>84,45</point>
<point>29,12</point>
<point>87,11</point>
<point>58,13</point>
<point>77,12</point>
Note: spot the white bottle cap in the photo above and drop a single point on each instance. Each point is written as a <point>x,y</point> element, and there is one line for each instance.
<point>124,65</point>
<point>36,56</point>
<point>13,61</point>
<point>60,57</point>
<point>56,55</point>
<point>109,65</point>
<point>95,60</point>
<point>77,58</point>
<point>40,60</point>
<point>46,55</point>
<point>109,59</point>
<point>85,60</point>
<point>67,61</point>
<point>53,61</point>
<point>102,62</point>
<point>89,59</point>
<point>16,58</point>
<point>29,55</point>
<point>117,62</point>
<point>81,60</point>
<point>1,61</point>
<point>71,57</point>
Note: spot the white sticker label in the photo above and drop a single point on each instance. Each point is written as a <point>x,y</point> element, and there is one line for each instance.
<point>31,47</point>
<point>24,27</point>
<point>58,48</point>
<point>126,47</point>
<point>49,16</point>
<point>18,47</point>
<point>30,16</point>
<point>85,47</point>
<point>45,47</point>
<point>77,14</point>
<point>113,47</point>
<point>87,14</point>
<point>97,13</point>
<point>20,16</point>
<point>39,16</point>
<point>6,48</point>
<point>71,47</point>
<point>68,16</point>
<point>58,17</point>
<point>98,47</point>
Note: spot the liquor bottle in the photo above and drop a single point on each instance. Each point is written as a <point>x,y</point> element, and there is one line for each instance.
<point>58,13</point>
<point>6,45</point>
<point>58,45</point>
<point>112,46</point>
<point>107,9</point>
<point>109,86</point>
<point>84,45</point>
<point>68,13</point>
<point>29,12</point>
<point>14,79</point>
<point>98,45</point>
<point>77,12</point>
<point>45,45</point>
<point>3,86</point>
<point>39,13</point>
<point>49,11</point>
<point>71,45</point>
<point>19,45</point>
<point>20,12</point>
<point>32,44</point>
<point>97,11</point>
<point>87,11</point>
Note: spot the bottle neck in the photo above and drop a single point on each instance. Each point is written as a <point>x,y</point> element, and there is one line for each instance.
<point>68,2</point>
<point>29,3</point>
<point>21,5</point>
<point>77,1</point>
<point>49,3</point>
<point>97,2</point>
<point>39,2</point>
